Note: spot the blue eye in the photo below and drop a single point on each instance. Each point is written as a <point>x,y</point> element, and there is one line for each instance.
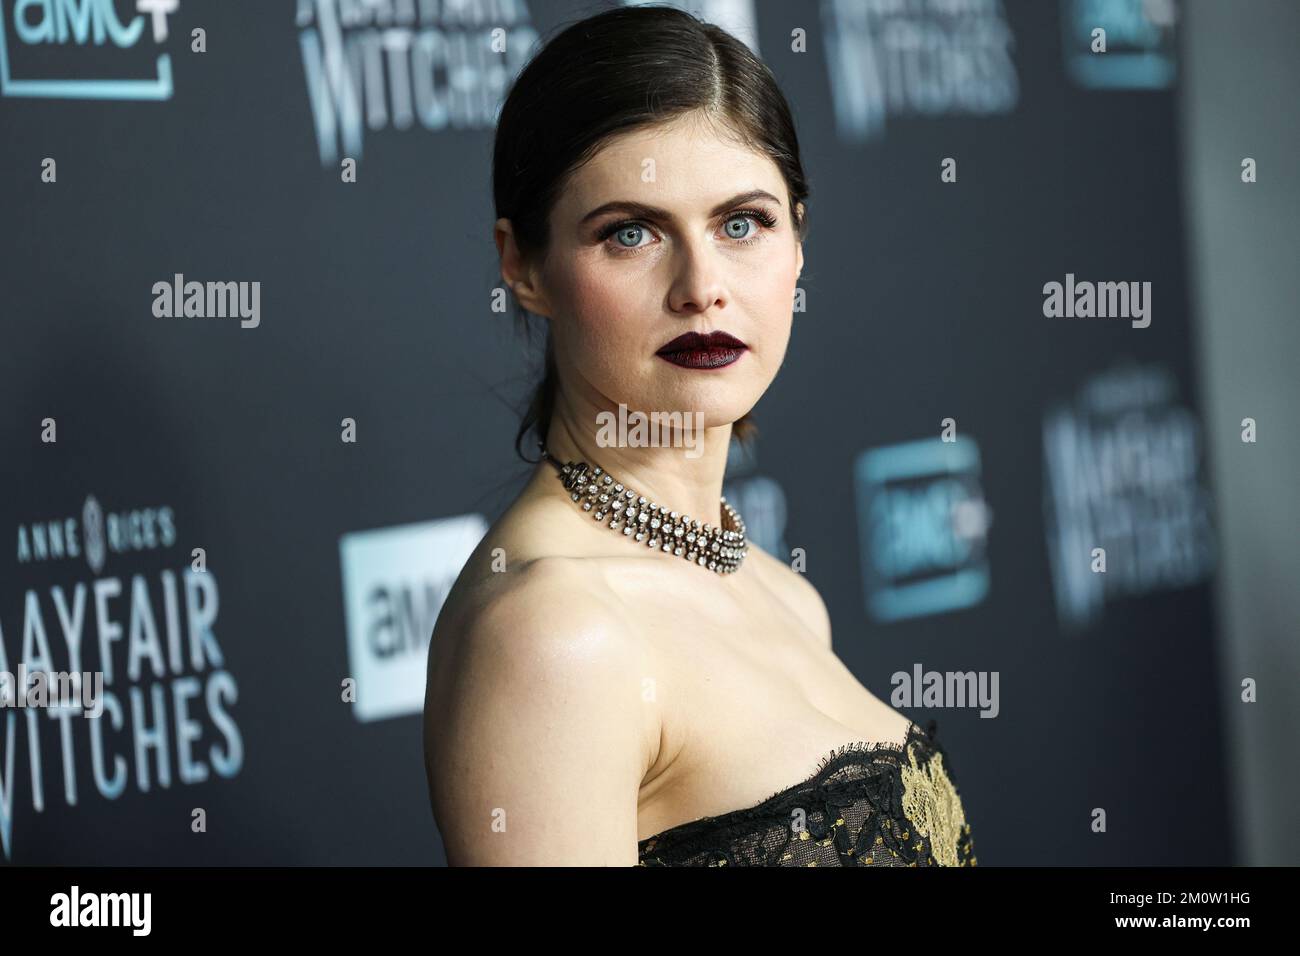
<point>631,231</point>
<point>754,218</point>
<point>744,221</point>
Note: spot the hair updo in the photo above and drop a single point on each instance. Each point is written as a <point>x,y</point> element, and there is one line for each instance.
<point>621,70</point>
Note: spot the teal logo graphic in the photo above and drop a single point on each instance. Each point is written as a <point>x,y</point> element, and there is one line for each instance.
<point>1139,43</point>
<point>1126,499</point>
<point>887,59</point>
<point>922,526</point>
<point>85,49</point>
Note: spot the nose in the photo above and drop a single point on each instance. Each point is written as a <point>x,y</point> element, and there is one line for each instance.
<point>697,281</point>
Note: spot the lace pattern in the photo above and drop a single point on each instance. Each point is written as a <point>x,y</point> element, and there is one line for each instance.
<point>867,804</point>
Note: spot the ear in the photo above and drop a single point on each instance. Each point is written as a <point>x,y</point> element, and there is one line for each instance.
<point>522,277</point>
<point>799,246</point>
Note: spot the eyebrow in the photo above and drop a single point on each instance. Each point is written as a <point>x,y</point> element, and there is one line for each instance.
<point>654,212</point>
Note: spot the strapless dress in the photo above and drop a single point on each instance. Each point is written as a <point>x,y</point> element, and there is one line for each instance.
<point>867,804</point>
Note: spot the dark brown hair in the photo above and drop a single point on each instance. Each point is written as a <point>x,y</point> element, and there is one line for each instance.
<point>621,70</point>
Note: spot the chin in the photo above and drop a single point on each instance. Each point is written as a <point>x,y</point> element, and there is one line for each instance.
<point>721,404</point>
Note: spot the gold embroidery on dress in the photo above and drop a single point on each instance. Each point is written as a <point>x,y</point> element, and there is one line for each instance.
<point>930,808</point>
<point>931,803</point>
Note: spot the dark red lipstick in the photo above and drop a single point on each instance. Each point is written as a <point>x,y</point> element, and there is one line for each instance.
<point>703,350</point>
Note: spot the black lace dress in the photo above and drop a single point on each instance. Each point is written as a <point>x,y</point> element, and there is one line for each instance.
<point>868,804</point>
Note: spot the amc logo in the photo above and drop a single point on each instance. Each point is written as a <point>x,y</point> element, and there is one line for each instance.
<point>394,583</point>
<point>66,38</point>
<point>922,527</point>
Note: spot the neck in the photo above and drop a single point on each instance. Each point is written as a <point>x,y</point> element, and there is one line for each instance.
<point>665,474</point>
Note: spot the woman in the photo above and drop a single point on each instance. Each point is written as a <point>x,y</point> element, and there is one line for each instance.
<point>650,687</point>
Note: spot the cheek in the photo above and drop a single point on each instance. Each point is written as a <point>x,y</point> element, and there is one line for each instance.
<point>599,296</point>
<point>769,286</point>
<point>603,312</point>
<point>766,297</point>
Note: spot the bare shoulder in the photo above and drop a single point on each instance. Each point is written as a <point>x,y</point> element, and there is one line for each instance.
<point>795,588</point>
<point>536,733</point>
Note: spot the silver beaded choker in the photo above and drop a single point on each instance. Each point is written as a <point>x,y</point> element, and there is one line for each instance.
<point>621,509</point>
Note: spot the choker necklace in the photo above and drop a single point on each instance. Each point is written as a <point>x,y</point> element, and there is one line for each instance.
<point>719,549</point>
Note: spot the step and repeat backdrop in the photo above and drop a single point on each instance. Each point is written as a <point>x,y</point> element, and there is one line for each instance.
<point>258,407</point>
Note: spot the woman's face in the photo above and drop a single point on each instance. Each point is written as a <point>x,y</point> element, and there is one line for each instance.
<point>713,249</point>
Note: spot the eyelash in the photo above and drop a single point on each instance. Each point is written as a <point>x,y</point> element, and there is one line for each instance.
<point>760,215</point>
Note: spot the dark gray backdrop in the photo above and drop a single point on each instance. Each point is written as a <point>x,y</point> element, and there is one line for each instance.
<point>924,302</point>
